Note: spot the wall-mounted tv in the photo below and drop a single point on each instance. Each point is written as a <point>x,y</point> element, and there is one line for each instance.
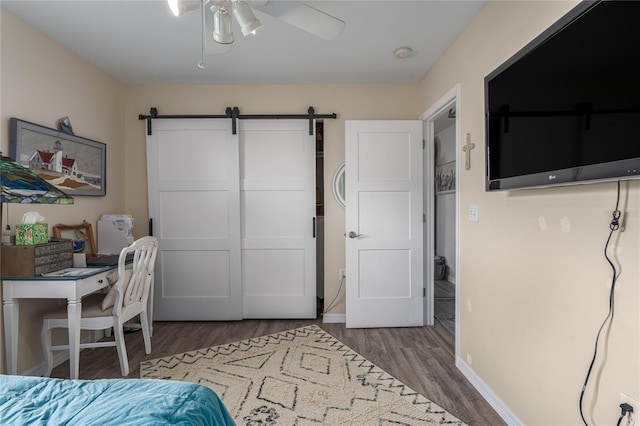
<point>566,108</point>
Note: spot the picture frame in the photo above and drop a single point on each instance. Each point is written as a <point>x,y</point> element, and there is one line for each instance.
<point>81,233</point>
<point>445,178</point>
<point>71,163</point>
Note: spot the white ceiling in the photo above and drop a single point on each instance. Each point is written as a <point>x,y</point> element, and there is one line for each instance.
<point>141,42</point>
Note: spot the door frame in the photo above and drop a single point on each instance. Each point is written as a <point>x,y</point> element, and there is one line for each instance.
<point>448,100</point>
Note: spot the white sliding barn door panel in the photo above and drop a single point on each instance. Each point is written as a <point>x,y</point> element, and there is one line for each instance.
<point>194,202</point>
<point>277,187</point>
<point>384,224</point>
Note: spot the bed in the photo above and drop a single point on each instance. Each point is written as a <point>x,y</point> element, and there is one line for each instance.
<point>44,401</point>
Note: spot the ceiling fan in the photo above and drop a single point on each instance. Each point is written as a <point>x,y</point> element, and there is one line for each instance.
<point>295,13</point>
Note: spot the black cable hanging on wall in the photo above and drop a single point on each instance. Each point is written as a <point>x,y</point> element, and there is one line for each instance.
<point>234,115</point>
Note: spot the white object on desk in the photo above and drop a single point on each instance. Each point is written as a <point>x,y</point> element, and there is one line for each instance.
<point>79,260</point>
<point>111,239</point>
<point>70,288</point>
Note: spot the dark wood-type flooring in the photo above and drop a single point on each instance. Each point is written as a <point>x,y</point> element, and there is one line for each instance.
<point>417,356</point>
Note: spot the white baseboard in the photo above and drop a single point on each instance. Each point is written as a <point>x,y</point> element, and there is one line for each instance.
<point>498,404</point>
<point>334,318</point>
<point>60,356</point>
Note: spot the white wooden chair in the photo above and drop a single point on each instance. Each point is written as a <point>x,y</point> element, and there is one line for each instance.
<point>127,298</point>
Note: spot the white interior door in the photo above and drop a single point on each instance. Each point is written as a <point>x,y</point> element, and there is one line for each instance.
<point>278,210</point>
<point>194,202</point>
<point>384,224</point>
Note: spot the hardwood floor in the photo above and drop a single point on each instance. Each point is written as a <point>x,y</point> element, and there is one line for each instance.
<point>417,356</point>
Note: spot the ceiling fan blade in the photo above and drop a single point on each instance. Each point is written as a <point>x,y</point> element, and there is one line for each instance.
<point>302,16</point>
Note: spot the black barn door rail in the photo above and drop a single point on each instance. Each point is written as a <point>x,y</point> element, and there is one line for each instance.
<point>234,115</point>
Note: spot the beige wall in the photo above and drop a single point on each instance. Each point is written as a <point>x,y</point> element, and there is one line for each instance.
<point>354,102</point>
<point>534,284</point>
<point>41,83</point>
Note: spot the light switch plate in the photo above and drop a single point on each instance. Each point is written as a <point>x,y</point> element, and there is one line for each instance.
<point>474,213</point>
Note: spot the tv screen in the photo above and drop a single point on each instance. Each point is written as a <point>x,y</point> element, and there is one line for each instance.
<point>566,108</point>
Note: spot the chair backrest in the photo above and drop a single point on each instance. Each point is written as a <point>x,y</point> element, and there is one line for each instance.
<point>142,273</point>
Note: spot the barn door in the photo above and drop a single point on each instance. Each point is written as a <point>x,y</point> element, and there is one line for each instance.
<point>277,192</point>
<point>234,216</point>
<point>194,202</point>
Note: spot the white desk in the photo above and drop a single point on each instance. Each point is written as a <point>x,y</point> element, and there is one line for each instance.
<point>71,288</point>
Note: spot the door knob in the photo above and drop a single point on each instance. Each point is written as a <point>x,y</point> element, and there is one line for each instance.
<point>354,235</point>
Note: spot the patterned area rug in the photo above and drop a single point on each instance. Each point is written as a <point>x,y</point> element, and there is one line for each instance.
<point>299,377</point>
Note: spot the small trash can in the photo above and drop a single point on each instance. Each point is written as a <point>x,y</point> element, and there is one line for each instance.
<point>439,268</point>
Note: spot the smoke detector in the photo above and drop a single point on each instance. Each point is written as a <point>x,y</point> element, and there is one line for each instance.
<point>402,52</point>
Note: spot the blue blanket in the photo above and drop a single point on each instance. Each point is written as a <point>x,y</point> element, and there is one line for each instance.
<point>44,401</point>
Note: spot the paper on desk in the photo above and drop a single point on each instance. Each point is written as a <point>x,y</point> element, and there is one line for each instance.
<point>71,272</point>
<point>114,233</point>
<point>124,222</point>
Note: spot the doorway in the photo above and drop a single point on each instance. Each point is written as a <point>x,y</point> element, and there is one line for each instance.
<point>441,159</point>
<point>319,217</point>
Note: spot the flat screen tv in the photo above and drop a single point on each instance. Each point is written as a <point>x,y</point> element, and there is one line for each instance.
<point>566,108</point>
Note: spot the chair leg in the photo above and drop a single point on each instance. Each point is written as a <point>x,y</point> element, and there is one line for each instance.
<point>118,333</point>
<point>46,347</point>
<point>94,338</point>
<point>146,333</point>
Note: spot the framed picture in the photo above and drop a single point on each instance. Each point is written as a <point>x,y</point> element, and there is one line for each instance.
<point>445,179</point>
<point>73,164</point>
<point>81,235</point>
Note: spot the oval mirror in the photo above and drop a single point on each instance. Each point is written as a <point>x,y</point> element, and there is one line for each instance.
<point>338,186</point>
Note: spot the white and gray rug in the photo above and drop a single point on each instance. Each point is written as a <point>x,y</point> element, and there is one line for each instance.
<point>299,377</point>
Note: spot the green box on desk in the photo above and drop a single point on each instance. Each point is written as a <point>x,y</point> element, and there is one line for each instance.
<point>32,234</point>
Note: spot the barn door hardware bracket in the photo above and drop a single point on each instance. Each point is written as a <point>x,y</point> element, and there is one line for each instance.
<point>234,114</point>
<point>153,114</point>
